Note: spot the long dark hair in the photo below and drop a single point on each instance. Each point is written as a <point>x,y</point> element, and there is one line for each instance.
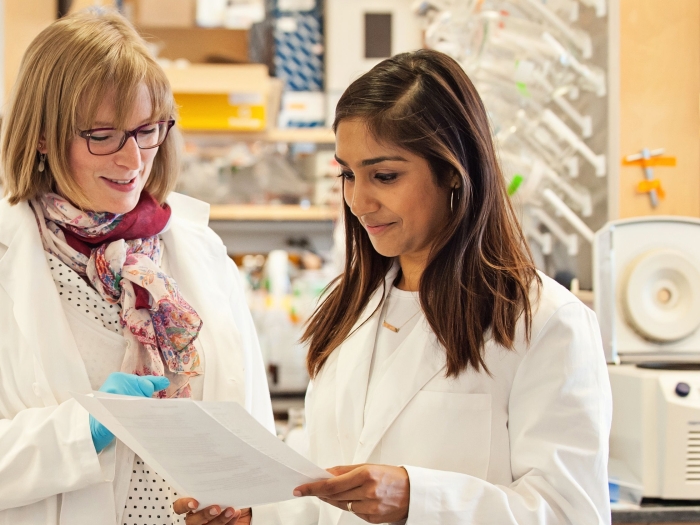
<point>480,272</point>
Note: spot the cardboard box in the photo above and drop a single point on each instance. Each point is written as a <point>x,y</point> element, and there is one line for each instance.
<point>301,109</point>
<point>165,13</point>
<point>198,44</point>
<point>213,97</point>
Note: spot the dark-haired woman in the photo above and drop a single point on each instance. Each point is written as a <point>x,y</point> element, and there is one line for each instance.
<point>452,382</point>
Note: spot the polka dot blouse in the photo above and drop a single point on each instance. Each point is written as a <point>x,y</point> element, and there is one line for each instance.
<point>150,498</point>
<point>77,292</point>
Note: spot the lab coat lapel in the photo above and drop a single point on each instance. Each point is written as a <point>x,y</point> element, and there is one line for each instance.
<point>26,278</point>
<point>352,372</point>
<point>224,377</point>
<point>417,360</point>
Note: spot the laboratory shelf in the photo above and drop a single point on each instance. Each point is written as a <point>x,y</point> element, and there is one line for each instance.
<point>262,228</point>
<point>290,135</point>
<point>282,212</point>
<point>318,135</point>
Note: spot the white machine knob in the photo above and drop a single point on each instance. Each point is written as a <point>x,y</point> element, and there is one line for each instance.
<point>661,295</point>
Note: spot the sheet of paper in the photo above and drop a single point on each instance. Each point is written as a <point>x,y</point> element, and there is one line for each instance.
<point>99,412</point>
<point>235,418</point>
<point>215,451</point>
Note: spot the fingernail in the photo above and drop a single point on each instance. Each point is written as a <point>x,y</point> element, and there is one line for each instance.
<point>229,513</point>
<point>213,512</point>
<point>297,493</point>
<point>191,505</point>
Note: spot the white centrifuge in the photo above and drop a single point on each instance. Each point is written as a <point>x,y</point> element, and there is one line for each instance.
<point>646,275</point>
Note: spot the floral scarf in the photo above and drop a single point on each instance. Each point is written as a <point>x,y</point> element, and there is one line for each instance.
<point>120,256</point>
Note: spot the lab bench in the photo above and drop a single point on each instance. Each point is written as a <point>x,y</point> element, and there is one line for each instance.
<point>660,513</point>
<point>283,401</point>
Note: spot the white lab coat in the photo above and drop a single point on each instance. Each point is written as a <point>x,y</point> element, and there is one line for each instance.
<point>527,445</point>
<point>49,471</point>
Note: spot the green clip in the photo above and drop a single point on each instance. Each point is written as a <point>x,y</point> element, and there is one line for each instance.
<point>515,183</point>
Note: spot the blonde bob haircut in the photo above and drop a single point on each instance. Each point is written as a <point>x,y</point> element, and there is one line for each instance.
<point>64,77</point>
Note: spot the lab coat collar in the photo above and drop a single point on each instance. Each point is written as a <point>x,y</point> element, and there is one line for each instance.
<point>190,251</point>
<point>352,372</point>
<point>416,361</point>
<point>407,375</point>
<point>37,307</point>
<point>26,278</point>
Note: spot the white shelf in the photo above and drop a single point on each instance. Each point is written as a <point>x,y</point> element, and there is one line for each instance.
<point>318,135</point>
<point>282,212</point>
<point>315,135</point>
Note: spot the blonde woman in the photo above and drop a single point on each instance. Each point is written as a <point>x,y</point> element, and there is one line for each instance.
<point>107,280</point>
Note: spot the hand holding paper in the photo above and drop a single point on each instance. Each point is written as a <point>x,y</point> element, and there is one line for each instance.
<point>212,515</point>
<point>129,385</point>
<point>215,452</point>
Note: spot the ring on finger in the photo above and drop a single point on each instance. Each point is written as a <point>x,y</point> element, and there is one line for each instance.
<point>349,505</point>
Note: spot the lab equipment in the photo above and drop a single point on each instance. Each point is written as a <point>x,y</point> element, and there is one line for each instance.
<point>656,427</point>
<point>282,296</point>
<point>277,273</point>
<point>530,62</point>
<point>563,131</point>
<point>647,284</point>
<point>568,214</point>
<point>296,437</point>
<point>647,159</point>
<point>647,299</point>
<point>570,240</point>
<point>599,5</point>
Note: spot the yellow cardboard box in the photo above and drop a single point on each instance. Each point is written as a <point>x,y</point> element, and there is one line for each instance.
<point>215,97</point>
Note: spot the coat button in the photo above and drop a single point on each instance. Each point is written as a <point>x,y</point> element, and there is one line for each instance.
<point>36,389</point>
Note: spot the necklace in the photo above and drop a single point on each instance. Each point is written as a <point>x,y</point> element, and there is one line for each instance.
<point>396,329</point>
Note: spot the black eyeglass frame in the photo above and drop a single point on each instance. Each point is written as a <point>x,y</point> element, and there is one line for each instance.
<point>86,134</point>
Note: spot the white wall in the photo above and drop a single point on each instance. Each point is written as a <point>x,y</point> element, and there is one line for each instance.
<point>345,39</point>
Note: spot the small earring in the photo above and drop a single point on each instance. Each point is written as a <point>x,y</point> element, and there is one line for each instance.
<point>42,162</point>
<point>452,198</point>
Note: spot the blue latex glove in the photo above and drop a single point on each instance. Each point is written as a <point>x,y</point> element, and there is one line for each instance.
<point>126,385</point>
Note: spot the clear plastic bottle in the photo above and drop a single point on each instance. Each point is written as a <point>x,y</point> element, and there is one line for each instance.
<point>296,437</point>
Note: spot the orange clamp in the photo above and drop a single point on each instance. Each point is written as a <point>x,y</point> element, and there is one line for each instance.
<point>651,162</point>
<point>647,186</point>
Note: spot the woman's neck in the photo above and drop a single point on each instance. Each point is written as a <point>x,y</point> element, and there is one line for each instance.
<point>411,272</point>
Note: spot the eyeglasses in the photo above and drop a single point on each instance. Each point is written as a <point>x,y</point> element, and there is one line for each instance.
<point>105,141</point>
